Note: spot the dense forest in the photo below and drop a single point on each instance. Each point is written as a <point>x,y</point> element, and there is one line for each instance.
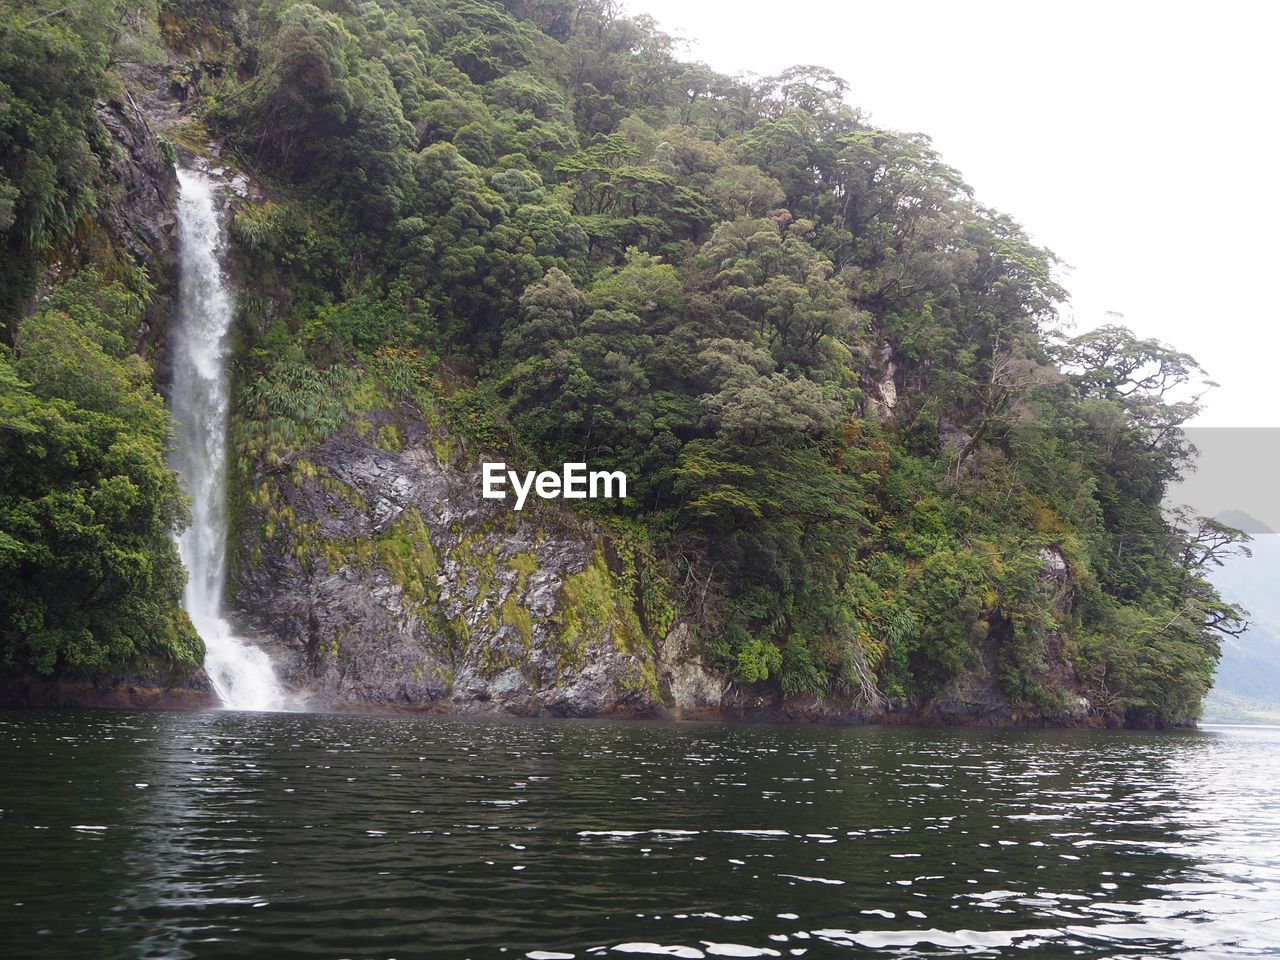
<point>852,426</point>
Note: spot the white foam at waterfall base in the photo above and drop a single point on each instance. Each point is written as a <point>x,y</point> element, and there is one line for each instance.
<point>241,673</point>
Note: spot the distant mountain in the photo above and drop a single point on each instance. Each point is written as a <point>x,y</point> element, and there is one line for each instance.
<point>1247,683</point>
<point>1244,521</point>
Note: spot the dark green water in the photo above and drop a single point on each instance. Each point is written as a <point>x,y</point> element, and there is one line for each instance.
<point>273,836</point>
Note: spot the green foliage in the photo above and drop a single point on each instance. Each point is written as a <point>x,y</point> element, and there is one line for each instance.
<point>753,660</point>
<point>591,612</point>
<point>294,404</point>
<point>318,97</point>
<point>90,578</point>
<point>51,141</point>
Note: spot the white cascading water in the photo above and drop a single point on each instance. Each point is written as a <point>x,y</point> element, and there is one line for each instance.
<point>241,673</point>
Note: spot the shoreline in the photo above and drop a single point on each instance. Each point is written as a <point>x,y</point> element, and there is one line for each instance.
<point>187,693</point>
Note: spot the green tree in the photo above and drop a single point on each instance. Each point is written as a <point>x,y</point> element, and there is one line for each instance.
<point>90,578</point>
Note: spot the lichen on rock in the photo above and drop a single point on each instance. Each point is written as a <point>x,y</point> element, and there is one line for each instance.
<point>379,575</point>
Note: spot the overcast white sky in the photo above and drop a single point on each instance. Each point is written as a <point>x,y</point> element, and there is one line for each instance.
<point>1136,140</point>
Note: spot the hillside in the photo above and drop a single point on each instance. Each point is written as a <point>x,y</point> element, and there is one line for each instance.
<point>869,477</point>
<point>1247,683</point>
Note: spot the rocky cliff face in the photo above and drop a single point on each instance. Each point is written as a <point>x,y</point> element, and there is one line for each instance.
<point>139,213</point>
<point>382,577</point>
<point>376,574</point>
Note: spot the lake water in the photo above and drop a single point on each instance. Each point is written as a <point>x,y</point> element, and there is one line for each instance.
<point>274,836</point>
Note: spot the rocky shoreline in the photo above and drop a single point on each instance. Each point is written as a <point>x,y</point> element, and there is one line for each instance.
<point>158,691</point>
<point>193,693</point>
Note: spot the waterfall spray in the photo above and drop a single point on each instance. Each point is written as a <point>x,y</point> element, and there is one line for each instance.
<point>241,673</point>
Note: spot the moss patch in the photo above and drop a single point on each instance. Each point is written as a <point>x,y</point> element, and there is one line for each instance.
<point>517,615</point>
<point>591,611</point>
<point>388,436</point>
<point>404,550</point>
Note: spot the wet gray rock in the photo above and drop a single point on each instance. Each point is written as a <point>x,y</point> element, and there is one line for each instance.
<point>691,689</point>
<point>138,212</point>
<point>952,438</point>
<point>884,399</point>
<point>381,577</point>
<point>144,183</point>
<point>1053,566</point>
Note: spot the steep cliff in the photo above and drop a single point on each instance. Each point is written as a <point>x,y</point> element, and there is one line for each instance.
<point>371,568</point>
<point>379,576</point>
<point>139,211</point>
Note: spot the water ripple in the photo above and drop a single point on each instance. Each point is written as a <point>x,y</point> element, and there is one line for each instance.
<point>234,835</point>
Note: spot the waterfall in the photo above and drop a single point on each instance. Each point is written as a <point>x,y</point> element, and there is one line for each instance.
<point>241,673</point>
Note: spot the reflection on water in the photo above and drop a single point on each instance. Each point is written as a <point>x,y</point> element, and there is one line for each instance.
<point>288,835</point>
